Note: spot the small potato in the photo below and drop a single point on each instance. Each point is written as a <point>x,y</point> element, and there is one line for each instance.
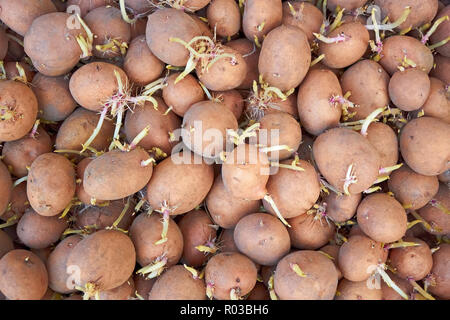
<point>250,52</point>
<point>51,184</point>
<point>123,292</point>
<point>262,237</point>
<point>82,195</point>
<point>231,100</point>
<point>319,280</point>
<point>403,284</point>
<point>6,243</point>
<point>140,64</point>
<point>341,208</point>
<point>177,283</point>
<point>24,276</point>
<point>442,32</point>
<point>350,290</point>
<point>348,5</point>
<point>434,212</point>
<point>441,70</point>
<point>310,232</point>
<point>17,198</point>
<point>424,145</point>
<point>260,17</point>
<point>13,71</point>
<point>143,285</point>
<point>226,240</point>
<point>411,189</point>
<point>384,140</point>
<point>230,273</point>
<point>437,104</point>
<point>440,272</point>
<point>224,16</point>
<point>315,110</point>
<point>305,16</point>
<point>104,216</point>
<point>409,89</point>
<point>285,57</point>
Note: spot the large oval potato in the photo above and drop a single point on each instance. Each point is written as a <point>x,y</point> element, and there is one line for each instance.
<point>260,17</point>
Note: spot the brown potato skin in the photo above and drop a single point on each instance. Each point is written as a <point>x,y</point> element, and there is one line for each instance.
<point>341,208</point>
<point>123,292</point>
<point>442,32</point>
<point>256,12</point>
<point>313,102</point>
<point>19,14</point>
<point>262,237</point>
<point>358,256</point>
<point>319,284</point>
<point>412,189</point>
<point>409,89</point>
<point>350,290</point>
<point>334,152</point>
<point>17,197</point>
<point>103,217</point>
<point>6,243</point>
<point>396,47</point>
<point>391,294</point>
<point>12,72</point>
<point>437,104</point>
<point>146,230</point>
<point>225,209</point>
<point>24,276</point>
<point>3,44</point>
<point>193,182</point>
<point>57,266</point>
<point>39,232</point>
<point>231,100</point>
<point>259,292</point>
<point>348,5</point>
<point>368,83</point>
<point>226,240</point>
<point>333,251</point>
<point>183,95</point>
<point>230,270</point>
<point>250,52</point>
<point>225,16</point>
<point>196,229</point>
<point>177,283</point>
<point>81,194</point>
<point>140,64</point>
<point>442,69</point>
<point>285,57</point>
<point>309,232</point>
<point>440,271</point>
<point>168,23</point>
<point>88,5</point>
<point>344,54</point>
<point>21,153</point>
<point>308,17</point>
<point>435,216</point>
<point>415,262</point>
<point>384,140</point>
<point>103,178</point>
<point>106,258</point>
<point>53,96</point>
<point>143,285</point>
<point>286,183</point>
<point>77,129</point>
<point>424,145</point>
<point>21,100</point>
<point>51,184</point>
<point>160,125</point>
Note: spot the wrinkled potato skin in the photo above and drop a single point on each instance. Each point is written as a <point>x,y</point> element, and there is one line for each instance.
<point>385,141</point>
<point>308,17</point>
<point>437,104</point>
<point>409,89</point>
<point>341,208</point>
<point>256,12</point>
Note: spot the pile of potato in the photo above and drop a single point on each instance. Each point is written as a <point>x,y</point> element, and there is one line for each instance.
<point>222,149</point>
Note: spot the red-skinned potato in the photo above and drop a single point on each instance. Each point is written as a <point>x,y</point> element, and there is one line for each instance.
<point>409,89</point>
<point>260,17</point>
<point>383,138</point>
<point>305,16</point>
<point>138,28</point>
<point>250,52</point>
<point>341,208</point>
<point>310,231</point>
<point>434,212</point>
<point>440,272</point>
<point>437,104</point>
<point>224,16</point>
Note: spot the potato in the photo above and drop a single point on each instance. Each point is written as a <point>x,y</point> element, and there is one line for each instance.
<point>396,48</point>
<point>5,188</point>
<point>143,285</point>
<point>18,15</point>
<point>286,183</point>
<point>344,53</point>
<point>203,26</point>
<point>337,150</point>
<point>179,183</point>
<point>138,28</point>
<point>106,23</point>
<point>18,200</point>
<point>391,294</point>
<point>198,230</point>
<point>226,240</point>
<point>422,11</point>
<point>310,232</point>
<point>104,216</point>
<point>331,251</point>
<point>16,52</point>
<point>182,95</point>
<point>285,57</point>
<point>51,184</point>
<point>368,83</point>
<point>18,110</point>
<point>177,283</point>
<point>256,108</point>
<point>225,209</point>
<point>39,232</point>
<point>57,265</point>
<point>24,276</point>
<point>104,176</point>
<point>412,262</point>
<point>161,124</point>
<point>440,272</point>
<point>435,215</point>
<point>305,149</point>
<point>230,273</point>
<point>206,126</point>
<point>224,16</point>
<point>409,89</point>
<point>313,102</point>
<point>167,23</point>
<point>318,283</point>
<point>13,73</point>
<point>3,44</point>
<point>437,104</point>
<point>81,194</point>
<point>359,256</point>
<point>348,5</point>
<point>231,100</point>
<point>441,68</point>
<point>411,189</point>
<point>424,145</point>
<point>43,255</point>
<point>250,52</point>
<point>20,154</point>
<point>53,96</point>
<point>341,208</point>
<point>6,243</point>
<point>94,83</point>
<point>262,237</point>
<point>306,16</point>
<point>86,6</point>
<point>140,64</point>
<point>385,141</point>
<point>442,32</point>
<point>52,45</point>
<point>245,172</point>
<point>350,290</point>
<point>123,292</point>
<point>260,17</point>
<point>259,292</point>
<point>445,177</point>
